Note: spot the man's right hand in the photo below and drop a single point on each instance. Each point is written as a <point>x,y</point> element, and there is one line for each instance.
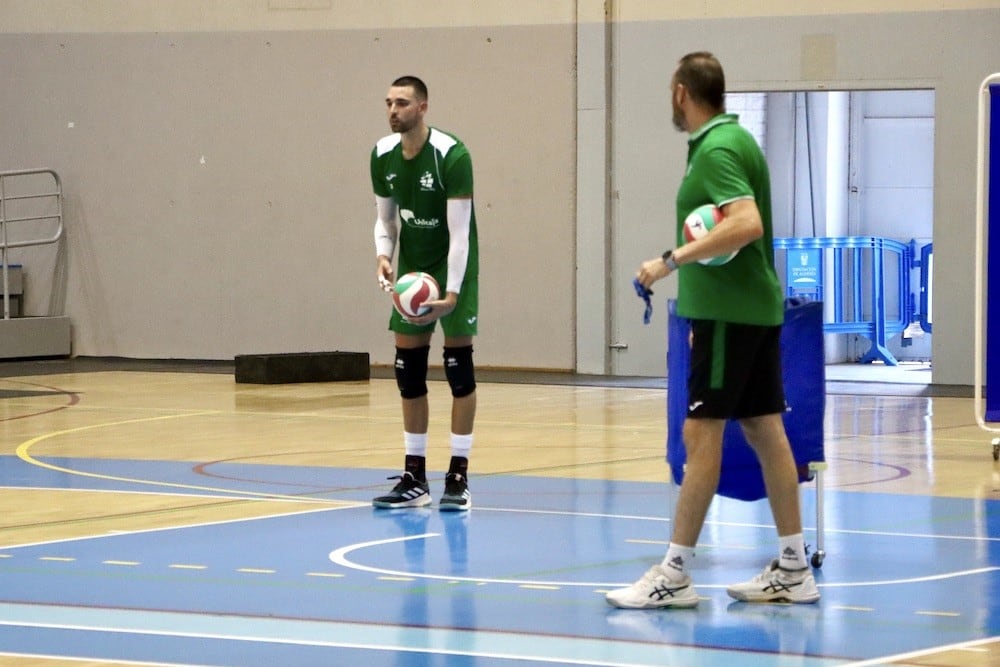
<point>384,273</point>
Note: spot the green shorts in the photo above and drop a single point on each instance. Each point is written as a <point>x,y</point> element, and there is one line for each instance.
<point>463,321</point>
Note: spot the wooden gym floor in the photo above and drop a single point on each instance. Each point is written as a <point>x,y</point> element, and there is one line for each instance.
<point>160,513</point>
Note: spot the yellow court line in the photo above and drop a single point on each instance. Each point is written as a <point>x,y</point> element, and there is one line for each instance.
<point>22,453</point>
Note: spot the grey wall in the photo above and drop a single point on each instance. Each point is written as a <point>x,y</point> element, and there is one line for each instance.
<point>266,245</point>
<point>217,192</point>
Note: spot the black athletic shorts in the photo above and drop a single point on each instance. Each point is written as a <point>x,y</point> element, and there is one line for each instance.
<point>735,371</point>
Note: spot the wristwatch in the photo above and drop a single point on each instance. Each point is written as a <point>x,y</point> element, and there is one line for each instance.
<point>668,259</point>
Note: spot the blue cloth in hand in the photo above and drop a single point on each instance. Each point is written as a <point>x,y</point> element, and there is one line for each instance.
<point>644,293</point>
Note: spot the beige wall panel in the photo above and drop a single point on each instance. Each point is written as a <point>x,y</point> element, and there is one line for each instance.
<point>659,10</point>
<point>215,164</point>
<point>250,15</point>
<point>218,200</point>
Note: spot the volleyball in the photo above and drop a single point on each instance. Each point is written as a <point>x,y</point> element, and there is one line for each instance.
<point>412,290</point>
<point>700,222</point>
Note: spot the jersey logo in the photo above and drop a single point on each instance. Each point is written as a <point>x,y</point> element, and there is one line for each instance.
<point>409,218</point>
<point>427,182</point>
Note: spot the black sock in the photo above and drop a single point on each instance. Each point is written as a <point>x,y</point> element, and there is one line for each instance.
<point>460,465</point>
<point>416,466</point>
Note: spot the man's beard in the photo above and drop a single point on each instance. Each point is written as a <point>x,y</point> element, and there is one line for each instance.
<point>680,122</point>
<point>401,126</point>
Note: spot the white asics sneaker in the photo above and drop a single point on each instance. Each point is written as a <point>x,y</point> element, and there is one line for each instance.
<point>775,584</point>
<point>659,588</point>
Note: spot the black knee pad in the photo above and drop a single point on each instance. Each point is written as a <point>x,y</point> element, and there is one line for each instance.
<point>411,371</point>
<point>459,370</point>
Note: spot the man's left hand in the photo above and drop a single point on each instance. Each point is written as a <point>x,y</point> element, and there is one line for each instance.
<point>438,309</point>
<point>652,270</point>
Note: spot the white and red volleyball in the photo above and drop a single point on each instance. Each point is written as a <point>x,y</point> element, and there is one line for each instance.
<point>412,290</point>
<point>700,222</point>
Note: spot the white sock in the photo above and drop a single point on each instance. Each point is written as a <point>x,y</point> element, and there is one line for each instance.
<point>415,444</point>
<point>678,557</point>
<point>793,552</point>
<point>461,445</point>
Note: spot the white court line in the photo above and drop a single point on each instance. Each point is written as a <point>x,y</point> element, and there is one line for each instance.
<point>339,557</point>
<point>919,654</point>
<point>738,524</point>
<point>203,524</point>
<point>532,648</point>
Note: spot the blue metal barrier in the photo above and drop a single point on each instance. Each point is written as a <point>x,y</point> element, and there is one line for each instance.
<point>866,270</point>
<point>926,254</point>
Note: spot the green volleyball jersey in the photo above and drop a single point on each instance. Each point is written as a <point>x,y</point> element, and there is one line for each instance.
<point>725,164</point>
<point>421,188</point>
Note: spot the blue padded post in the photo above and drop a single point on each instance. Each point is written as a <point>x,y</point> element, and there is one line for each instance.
<point>992,352</point>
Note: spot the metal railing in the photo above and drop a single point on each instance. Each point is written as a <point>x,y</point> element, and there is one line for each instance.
<point>27,196</point>
<point>869,273</point>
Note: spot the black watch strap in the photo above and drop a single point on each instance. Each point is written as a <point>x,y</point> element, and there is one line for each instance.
<point>668,259</point>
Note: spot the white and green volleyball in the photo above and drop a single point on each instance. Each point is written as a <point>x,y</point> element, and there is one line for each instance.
<point>412,290</point>
<point>700,222</point>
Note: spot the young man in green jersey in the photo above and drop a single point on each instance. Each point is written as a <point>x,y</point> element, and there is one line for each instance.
<point>422,178</point>
<point>736,312</point>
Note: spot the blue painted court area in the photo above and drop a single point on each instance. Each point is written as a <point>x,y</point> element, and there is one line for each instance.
<point>518,580</point>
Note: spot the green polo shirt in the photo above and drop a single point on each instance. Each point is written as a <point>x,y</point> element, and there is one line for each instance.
<point>725,164</point>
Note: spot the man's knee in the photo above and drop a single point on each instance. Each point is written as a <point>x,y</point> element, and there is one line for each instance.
<point>459,370</point>
<point>703,438</point>
<point>764,432</point>
<point>411,371</point>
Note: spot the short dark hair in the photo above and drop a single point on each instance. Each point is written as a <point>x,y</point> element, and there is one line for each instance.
<point>701,73</point>
<point>419,87</point>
